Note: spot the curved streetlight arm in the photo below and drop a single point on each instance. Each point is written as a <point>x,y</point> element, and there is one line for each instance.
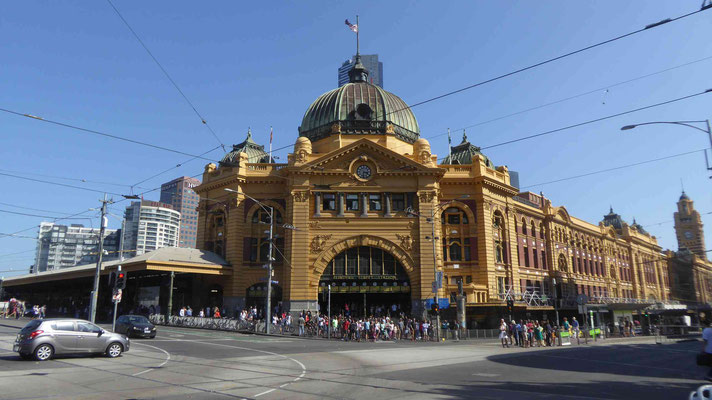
<point>684,123</point>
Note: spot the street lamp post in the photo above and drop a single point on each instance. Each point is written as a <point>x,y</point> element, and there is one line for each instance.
<point>431,220</point>
<point>688,124</point>
<point>268,301</point>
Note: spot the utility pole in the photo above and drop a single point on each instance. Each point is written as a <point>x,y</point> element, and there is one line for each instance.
<point>97,274</point>
<point>328,331</point>
<point>436,289</point>
<point>268,319</point>
<point>170,298</point>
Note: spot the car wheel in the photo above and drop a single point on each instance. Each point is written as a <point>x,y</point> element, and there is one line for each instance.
<point>43,352</point>
<point>26,356</point>
<point>114,350</point>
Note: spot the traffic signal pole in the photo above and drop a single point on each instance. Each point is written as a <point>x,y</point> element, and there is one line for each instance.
<point>97,274</point>
<point>116,303</point>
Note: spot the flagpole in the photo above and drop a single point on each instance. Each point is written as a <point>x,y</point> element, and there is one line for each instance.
<point>449,146</point>
<point>270,145</point>
<point>358,28</point>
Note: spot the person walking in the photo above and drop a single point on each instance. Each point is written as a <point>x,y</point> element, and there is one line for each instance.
<point>503,333</point>
<point>301,323</point>
<point>575,327</point>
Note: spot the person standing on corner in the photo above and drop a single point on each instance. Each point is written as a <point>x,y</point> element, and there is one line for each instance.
<point>707,347</point>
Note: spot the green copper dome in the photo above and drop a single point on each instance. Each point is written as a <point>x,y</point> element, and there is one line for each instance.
<point>255,153</point>
<point>359,108</point>
<point>463,152</point>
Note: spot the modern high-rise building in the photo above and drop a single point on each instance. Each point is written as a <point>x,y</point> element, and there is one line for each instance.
<point>374,67</point>
<point>150,225</point>
<point>180,195</point>
<point>62,246</point>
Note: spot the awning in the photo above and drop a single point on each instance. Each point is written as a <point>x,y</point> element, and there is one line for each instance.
<point>175,259</point>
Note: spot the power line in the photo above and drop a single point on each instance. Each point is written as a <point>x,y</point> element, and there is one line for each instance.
<point>55,220</point>
<point>32,209</point>
<point>19,252</point>
<point>508,74</point>
<point>172,168</point>
<point>95,132</point>
<point>613,169</point>
<point>166,74</point>
<point>58,184</point>
<point>671,220</point>
<point>36,215</point>
<point>66,178</point>
<point>18,236</point>
<point>595,120</point>
<point>574,96</point>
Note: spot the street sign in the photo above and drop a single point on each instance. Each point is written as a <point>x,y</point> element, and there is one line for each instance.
<point>117,296</point>
<point>439,279</point>
<point>435,287</point>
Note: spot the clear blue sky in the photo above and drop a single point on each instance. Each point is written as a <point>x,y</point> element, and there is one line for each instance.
<point>262,63</point>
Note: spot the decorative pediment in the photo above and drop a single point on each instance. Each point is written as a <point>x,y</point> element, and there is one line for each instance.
<point>364,150</point>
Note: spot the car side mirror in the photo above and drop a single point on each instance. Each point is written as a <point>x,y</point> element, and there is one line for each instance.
<point>101,332</point>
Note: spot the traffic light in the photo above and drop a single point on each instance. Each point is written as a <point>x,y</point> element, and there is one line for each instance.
<point>510,306</point>
<point>435,307</point>
<point>112,279</point>
<point>120,280</point>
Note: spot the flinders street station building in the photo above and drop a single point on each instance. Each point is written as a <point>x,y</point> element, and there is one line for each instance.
<point>365,212</point>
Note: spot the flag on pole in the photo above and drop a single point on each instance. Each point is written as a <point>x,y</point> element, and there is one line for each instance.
<point>449,146</point>
<point>449,139</point>
<point>271,133</point>
<point>351,26</point>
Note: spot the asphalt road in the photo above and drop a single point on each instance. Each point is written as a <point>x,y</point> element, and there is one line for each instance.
<point>196,364</point>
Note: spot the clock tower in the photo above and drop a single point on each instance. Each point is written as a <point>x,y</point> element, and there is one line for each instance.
<point>688,227</point>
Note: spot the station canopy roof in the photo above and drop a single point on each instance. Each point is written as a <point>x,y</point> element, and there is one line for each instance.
<point>165,259</point>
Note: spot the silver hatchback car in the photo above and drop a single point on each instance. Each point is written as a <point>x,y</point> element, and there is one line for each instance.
<point>42,339</point>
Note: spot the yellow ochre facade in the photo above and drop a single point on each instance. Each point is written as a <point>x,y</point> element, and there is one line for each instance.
<point>360,187</point>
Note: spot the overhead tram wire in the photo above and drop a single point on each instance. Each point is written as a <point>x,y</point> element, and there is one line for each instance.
<point>65,178</point>
<point>176,166</point>
<point>614,168</point>
<point>550,60</point>
<point>549,132</point>
<point>32,209</point>
<point>573,97</point>
<point>95,132</point>
<point>38,216</point>
<point>54,220</point>
<point>165,72</point>
<point>59,184</point>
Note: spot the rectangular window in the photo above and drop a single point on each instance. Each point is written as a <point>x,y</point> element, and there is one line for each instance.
<point>543,259</point>
<point>468,279</point>
<point>351,261</point>
<point>352,202</point>
<point>329,202</point>
<point>500,285</point>
<point>389,264</point>
<point>377,262</point>
<point>466,249</point>
<point>374,202</point>
<point>340,264</point>
<point>398,201</point>
<point>536,258</point>
<point>526,256</point>
<point>364,258</point>
<point>253,249</point>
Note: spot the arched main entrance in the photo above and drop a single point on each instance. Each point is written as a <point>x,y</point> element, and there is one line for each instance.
<point>365,281</point>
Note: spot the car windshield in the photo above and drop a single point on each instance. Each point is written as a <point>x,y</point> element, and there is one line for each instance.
<point>137,319</point>
<point>31,326</point>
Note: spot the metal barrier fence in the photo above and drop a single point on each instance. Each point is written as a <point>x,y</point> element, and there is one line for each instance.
<point>221,324</point>
<point>668,333</point>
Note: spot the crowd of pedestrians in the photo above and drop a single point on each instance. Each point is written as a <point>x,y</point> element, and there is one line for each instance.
<point>532,333</point>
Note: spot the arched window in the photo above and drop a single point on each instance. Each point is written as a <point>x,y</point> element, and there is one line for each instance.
<point>259,241</point>
<point>541,230</point>
<point>533,229</point>
<point>498,226</point>
<point>456,240</point>
<point>215,238</point>
<point>524,226</point>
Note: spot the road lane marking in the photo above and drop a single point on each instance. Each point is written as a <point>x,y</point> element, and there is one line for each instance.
<point>304,368</point>
<point>168,358</point>
<point>485,374</point>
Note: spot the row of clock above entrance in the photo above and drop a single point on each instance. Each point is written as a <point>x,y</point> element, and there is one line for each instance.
<point>338,203</point>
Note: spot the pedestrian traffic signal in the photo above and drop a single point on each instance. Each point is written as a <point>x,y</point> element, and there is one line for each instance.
<point>120,280</point>
<point>112,279</point>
